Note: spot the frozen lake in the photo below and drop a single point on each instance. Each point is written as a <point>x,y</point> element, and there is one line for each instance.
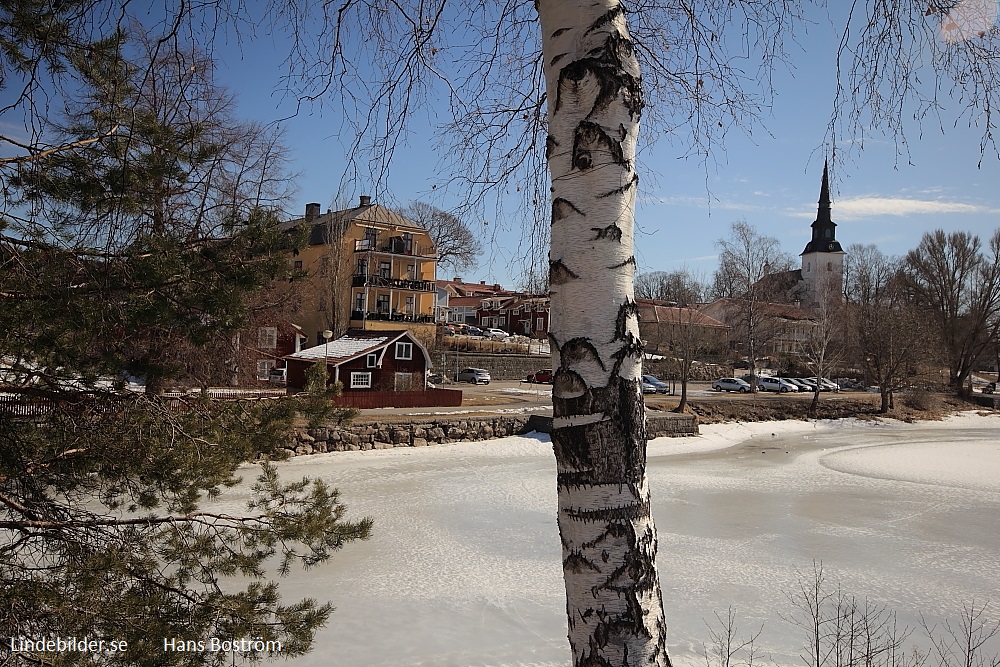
<point>464,566</point>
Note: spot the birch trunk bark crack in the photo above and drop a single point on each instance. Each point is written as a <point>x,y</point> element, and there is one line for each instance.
<point>614,606</point>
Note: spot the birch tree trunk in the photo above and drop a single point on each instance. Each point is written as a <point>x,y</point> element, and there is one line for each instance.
<point>613,603</point>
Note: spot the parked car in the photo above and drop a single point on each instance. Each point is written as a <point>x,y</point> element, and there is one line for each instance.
<point>825,384</point>
<point>661,386</point>
<point>278,377</point>
<point>447,330</point>
<point>990,388</point>
<point>810,384</point>
<point>731,384</point>
<point>775,384</point>
<point>799,383</point>
<point>543,376</point>
<point>495,334</point>
<point>473,376</point>
<point>470,330</point>
<point>648,388</point>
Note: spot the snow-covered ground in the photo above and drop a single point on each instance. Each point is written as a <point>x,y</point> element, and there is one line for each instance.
<point>464,566</point>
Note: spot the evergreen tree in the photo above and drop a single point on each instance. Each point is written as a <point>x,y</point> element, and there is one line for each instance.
<point>147,226</point>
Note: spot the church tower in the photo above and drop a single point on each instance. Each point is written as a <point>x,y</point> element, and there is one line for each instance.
<point>823,258</point>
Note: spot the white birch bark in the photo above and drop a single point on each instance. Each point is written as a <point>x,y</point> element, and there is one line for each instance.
<point>614,608</point>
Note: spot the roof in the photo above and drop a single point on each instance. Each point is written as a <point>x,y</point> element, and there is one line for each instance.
<point>653,313</point>
<point>351,345</point>
<point>460,288</point>
<point>374,214</point>
<point>783,310</point>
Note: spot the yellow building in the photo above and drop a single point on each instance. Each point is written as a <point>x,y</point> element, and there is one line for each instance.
<point>366,268</point>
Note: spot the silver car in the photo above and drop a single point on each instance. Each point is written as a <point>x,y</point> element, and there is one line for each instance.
<point>731,384</point>
<point>473,376</point>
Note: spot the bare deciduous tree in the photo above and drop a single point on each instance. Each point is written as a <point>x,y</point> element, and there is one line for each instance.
<point>457,247</point>
<point>889,334</point>
<point>679,286</point>
<point>959,285</point>
<point>746,257</point>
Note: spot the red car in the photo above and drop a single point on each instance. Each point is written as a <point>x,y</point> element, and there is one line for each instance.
<point>542,377</point>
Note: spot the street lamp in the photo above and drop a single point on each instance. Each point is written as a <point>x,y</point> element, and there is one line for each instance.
<point>327,335</point>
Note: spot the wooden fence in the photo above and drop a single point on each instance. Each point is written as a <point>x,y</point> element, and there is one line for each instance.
<point>430,398</point>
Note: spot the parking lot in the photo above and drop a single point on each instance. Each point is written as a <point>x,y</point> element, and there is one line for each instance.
<point>514,395</point>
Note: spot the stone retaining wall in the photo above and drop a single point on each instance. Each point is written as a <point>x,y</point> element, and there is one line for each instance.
<point>368,435</point>
<point>500,366</point>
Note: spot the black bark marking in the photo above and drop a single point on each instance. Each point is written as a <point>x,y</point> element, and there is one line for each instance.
<point>560,274</point>
<point>589,137</point>
<point>606,19</point>
<point>568,382</point>
<point>578,563</point>
<point>550,146</point>
<point>627,310</point>
<point>630,260</point>
<point>556,59</point>
<point>579,350</point>
<point>611,451</point>
<point>623,189</point>
<point>562,208</point>
<point>607,64</point>
<point>559,32</point>
<point>611,232</point>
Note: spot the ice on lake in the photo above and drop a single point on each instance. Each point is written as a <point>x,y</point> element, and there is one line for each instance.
<point>464,566</point>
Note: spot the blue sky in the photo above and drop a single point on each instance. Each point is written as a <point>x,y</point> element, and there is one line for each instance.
<point>772,179</point>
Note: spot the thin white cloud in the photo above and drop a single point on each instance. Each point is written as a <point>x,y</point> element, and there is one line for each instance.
<point>860,208</point>
<point>867,207</point>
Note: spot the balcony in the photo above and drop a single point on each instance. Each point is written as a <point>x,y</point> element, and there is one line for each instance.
<point>375,280</point>
<point>395,245</point>
<point>393,316</point>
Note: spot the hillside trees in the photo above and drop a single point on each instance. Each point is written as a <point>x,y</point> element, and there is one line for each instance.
<point>139,223</point>
<point>678,286</point>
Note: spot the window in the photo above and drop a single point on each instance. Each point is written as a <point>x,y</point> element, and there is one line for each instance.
<point>385,269</point>
<point>359,301</point>
<point>370,238</point>
<point>411,272</point>
<point>264,367</point>
<point>324,265</point>
<point>501,321</point>
<point>408,243</point>
<point>267,338</point>
<point>404,350</point>
<point>360,380</point>
<point>371,361</point>
<point>382,303</point>
<point>540,324</point>
<point>362,269</point>
<point>297,264</point>
<point>409,305</point>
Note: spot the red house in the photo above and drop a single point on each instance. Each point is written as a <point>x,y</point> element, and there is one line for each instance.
<point>369,360</point>
<point>378,369</point>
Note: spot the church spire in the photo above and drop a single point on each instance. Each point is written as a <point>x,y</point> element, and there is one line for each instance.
<point>824,229</point>
<point>823,214</point>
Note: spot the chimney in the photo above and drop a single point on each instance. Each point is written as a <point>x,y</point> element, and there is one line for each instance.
<point>312,211</point>
<point>482,282</point>
<point>366,200</point>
